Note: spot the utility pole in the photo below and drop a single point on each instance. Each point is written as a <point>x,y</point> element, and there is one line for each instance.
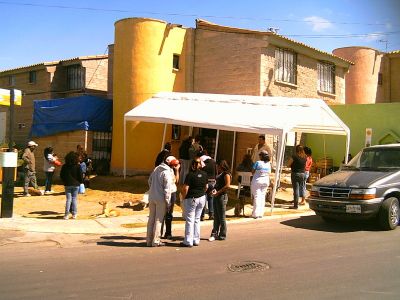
<point>386,44</point>
<point>9,163</point>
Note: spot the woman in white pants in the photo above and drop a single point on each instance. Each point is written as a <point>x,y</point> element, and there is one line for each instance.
<point>259,183</point>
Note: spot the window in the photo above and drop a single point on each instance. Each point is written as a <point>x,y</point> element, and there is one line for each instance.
<point>75,77</point>
<point>285,66</point>
<point>11,80</point>
<point>380,79</point>
<point>175,62</point>
<point>32,77</point>
<point>326,77</point>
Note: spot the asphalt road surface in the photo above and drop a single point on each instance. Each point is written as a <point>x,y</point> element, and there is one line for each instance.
<point>304,258</point>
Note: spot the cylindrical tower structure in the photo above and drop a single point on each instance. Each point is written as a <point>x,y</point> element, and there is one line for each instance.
<point>144,51</point>
<point>362,78</point>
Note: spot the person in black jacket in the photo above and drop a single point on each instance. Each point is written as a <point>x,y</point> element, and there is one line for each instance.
<point>71,176</point>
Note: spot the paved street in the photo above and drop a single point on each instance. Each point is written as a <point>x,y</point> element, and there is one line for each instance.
<point>308,259</point>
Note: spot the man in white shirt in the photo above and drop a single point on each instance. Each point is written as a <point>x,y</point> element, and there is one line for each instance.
<point>260,147</point>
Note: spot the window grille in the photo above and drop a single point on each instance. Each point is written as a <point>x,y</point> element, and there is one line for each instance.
<point>101,152</point>
<point>326,77</point>
<point>75,77</point>
<point>285,66</point>
<point>101,145</point>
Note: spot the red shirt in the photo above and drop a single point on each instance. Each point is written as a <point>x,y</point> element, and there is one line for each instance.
<point>308,163</point>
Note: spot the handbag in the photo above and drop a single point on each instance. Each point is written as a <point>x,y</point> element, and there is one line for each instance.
<point>81,189</point>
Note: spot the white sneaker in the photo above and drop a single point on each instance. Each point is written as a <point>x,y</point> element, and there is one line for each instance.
<point>47,192</point>
<point>27,195</point>
<point>211,239</point>
<point>66,217</point>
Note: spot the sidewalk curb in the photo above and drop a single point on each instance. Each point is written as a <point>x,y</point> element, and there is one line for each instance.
<point>112,225</point>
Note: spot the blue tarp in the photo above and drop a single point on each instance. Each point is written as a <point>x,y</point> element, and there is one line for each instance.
<point>69,114</point>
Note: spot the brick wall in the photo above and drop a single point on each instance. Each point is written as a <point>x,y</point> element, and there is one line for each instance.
<point>227,63</point>
<point>61,143</point>
<point>235,63</point>
<point>50,83</point>
<point>31,91</point>
<point>96,74</point>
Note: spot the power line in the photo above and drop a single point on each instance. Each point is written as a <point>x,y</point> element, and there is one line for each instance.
<point>186,15</point>
<point>350,35</point>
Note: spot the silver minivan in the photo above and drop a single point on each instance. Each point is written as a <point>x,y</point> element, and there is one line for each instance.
<point>367,187</point>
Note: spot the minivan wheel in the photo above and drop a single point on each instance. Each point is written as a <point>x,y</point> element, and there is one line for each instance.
<point>389,214</point>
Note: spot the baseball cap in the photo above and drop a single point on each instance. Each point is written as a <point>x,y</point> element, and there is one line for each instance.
<point>32,143</point>
<point>172,161</point>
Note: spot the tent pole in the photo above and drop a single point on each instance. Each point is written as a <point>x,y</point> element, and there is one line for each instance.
<point>86,135</point>
<point>281,151</point>
<point>124,148</point>
<point>347,147</point>
<point>216,145</point>
<point>233,151</point>
<point>163,139</point>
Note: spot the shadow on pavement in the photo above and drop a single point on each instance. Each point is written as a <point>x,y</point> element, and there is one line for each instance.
<point>131,241</point>
<point>318,224</point>
<point>122,241</point>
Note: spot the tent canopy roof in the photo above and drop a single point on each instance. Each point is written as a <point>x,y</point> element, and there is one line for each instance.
<point>256,114</point>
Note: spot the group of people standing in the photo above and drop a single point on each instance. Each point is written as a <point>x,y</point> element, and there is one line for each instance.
<point>259,163</point>
<point>201,180</point>
<point>300,164</point>
<point>74,172</point>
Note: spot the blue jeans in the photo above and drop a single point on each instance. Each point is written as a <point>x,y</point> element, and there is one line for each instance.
<point>169,216</point>
<point>193,209</point>
<point>306,175</point>
<point>298,187</point>
<point>71,192</point>
<point>49,179</point>
<point>219,227</point>
<point>210,200</point>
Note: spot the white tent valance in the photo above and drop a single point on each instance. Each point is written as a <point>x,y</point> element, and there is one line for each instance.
<point>240,113</point>
<point>256,114</point>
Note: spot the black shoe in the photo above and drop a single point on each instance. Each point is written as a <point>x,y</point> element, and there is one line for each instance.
<point>202,218</point>
<point>167,237</point>
<point>211,217</point>
<point>221,238</point>
<point>182,244</point>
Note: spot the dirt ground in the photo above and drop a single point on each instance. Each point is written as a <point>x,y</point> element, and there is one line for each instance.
<point>115,190</point>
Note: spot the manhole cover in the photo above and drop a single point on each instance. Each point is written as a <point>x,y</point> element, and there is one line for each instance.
<point>248,266</point>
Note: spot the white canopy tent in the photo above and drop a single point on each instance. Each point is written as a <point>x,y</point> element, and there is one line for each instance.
<point>239,113</point>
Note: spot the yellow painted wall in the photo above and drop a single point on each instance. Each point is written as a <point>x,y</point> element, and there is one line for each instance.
<point>143,56</point>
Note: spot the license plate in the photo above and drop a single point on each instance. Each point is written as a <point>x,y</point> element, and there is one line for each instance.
<point>353,209</point>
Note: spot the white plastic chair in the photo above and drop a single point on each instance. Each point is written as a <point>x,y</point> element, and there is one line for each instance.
<point>244,179</point>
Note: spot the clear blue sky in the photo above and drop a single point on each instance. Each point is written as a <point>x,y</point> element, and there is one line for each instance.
<point>35,31</point>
